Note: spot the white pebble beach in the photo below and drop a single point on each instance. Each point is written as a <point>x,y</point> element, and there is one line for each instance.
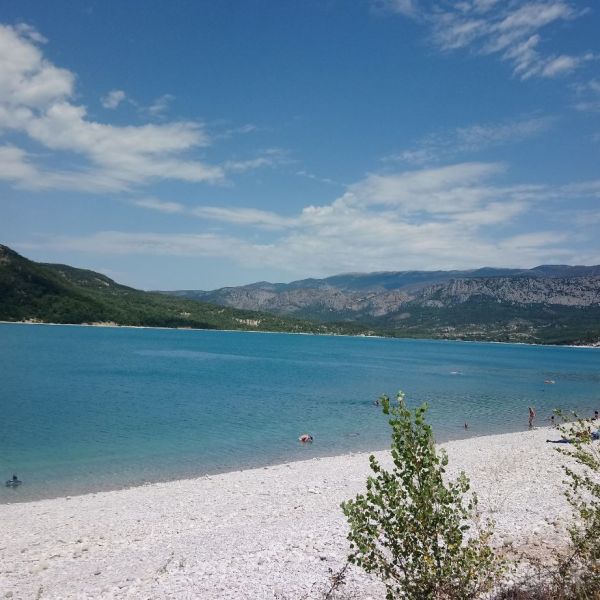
<point>274,532</point>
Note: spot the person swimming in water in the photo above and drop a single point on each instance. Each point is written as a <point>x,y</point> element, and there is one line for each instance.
<point>14,481</point>
<point>305,438</point>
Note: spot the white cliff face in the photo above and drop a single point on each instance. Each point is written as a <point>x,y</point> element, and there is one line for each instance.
<point>571,291</point>
<point>574,291</point>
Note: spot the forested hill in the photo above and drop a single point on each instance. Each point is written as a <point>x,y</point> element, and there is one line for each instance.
<point>31,291</point>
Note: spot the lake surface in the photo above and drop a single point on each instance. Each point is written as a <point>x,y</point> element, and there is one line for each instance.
<point>87,409</point>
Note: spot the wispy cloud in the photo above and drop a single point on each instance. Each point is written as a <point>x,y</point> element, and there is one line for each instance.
<point>442,146</point>
<point>270,157</point>
<point>159,107</point>
<point>588,96</point>
<point>160,205</point>
<point>241,130</point>
<point>244,216</point>
<point>449,217</point>
<point>113,99</point>
<point>509,29</point>
<point>313,177</point>
<point>232,215</point>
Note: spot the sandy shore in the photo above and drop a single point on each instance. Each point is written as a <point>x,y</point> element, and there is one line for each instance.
<point>262,534</point>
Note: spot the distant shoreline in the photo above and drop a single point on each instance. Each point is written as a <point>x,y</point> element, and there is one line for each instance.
<point>112,325</point>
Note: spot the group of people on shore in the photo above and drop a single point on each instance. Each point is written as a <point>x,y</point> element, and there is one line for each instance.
<point>532,416</point>
<point>306,438</point>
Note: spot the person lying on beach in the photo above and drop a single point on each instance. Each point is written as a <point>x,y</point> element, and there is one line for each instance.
<point>579,437</point>
<point>305,437</point>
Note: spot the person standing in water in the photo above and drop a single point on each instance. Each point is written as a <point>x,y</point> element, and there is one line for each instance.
<point>531,416</point>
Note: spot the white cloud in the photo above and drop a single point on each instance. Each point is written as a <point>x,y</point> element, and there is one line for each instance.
<point>509,29</point>
<point>27,80</point>
<point>410,8</point>
<point>589,96</point>
<point>30,32</point>
<point>113,99</point>
<point>236,216</point>
<point>233,215</point>
<point>268,158</point>
<point>243,129</point>
<point>452,217</point>
<point>314,177</point>
<point>14,165</point>
<point>36,99</point>
<point>160,205</point>
<point>435,147</point>
<point>443,190</point>
<point>244,216</point>
<point>159,106</point>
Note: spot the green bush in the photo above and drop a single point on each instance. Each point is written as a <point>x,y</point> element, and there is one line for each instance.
<point>580,571</point>
<point>414,529</point>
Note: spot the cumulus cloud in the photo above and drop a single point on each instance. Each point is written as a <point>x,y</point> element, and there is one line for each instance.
<point>37,99</point>
<point>509,30</point>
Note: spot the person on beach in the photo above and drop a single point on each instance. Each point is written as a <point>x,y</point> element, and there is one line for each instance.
<point>531,416</point>
<point>305,438</point>
<point>595,415</point>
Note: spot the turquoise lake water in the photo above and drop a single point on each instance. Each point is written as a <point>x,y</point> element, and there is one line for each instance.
<point>86,409</point>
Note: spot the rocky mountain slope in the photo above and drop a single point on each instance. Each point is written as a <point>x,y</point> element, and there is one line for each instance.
<point>548,303</point>
<point>380,294</point>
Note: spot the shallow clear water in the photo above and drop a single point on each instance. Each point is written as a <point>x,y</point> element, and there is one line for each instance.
<point>85,409</point>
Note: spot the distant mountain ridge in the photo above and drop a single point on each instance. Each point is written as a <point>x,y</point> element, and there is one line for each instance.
<point>380,292</point>
<point>553,302</point>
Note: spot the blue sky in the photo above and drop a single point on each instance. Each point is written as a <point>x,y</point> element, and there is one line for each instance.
<point>203,144</point>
